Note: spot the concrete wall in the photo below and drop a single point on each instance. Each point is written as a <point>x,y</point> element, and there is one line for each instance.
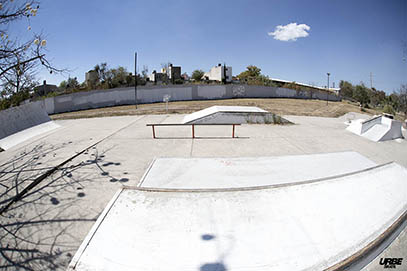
<point>89,100</point>
<point>156,94</point>
<point>126,96</point>
<point>16,119</point>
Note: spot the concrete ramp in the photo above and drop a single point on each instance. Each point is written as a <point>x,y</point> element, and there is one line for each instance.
<point>378,128</point>
<point>233,114</point>
<point>316,225</point>
<point>18,124</point>
<point>193,173</point>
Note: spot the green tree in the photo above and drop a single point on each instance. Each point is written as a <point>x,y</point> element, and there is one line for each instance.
<point>72,83</point>
<point>261,80</point>
<point>253,76</point>
<point>389,109</point>
<point>377,97</point>
<point>130,79</point>
<point>15,99</point>
<point>102,71</point>
<point>112,78</point>
<point>251,72</point>
<point>361,95</point>
<point>394,100</point>
<point>346,89</point>
<point>118,77</point>
<point>402,93</point>
<point>197,75</point>
<point>63,84</point>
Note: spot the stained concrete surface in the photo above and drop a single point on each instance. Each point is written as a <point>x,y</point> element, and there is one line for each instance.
<point>44,230</point>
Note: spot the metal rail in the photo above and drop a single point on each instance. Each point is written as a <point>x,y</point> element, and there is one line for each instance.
<point>153,125</point>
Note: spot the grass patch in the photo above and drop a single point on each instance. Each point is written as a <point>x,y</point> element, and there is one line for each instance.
<point>281,107</point>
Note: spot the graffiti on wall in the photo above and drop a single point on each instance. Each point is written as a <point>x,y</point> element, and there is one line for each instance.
<point>239,91</point>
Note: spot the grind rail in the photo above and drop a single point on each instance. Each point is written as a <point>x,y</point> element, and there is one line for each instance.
<point>153,125</point>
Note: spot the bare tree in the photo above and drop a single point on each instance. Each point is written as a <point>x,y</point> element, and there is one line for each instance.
<point>165,66</point>
<point>19,59</point>
<point>22,79</point>
<point>144,72</point>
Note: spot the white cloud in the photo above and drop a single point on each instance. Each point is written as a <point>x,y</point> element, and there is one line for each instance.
<point>291,31</point>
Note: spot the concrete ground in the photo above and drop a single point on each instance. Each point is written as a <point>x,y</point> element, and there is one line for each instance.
<point>45,228</point>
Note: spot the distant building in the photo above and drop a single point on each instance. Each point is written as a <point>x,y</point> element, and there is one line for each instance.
<point>219,73</point>
<point>91,78</point>
<point>158,77</point>
<point>44,89</point>
<point>173,72</point>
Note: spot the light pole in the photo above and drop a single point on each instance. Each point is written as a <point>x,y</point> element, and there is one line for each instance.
<point>135,79</point>
<point>224,71</point>
<point>327,90</point>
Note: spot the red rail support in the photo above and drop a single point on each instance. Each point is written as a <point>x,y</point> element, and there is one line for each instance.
<point>233,131</point>
<point>193,131</point>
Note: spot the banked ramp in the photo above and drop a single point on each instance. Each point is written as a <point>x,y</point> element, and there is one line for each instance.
<point>379,128</point>
<point>20,123</point>
<point>327,223</point>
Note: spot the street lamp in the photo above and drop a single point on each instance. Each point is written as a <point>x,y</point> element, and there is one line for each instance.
<point>135,79</point>
<point>224,71</point>
<point>327,90</point>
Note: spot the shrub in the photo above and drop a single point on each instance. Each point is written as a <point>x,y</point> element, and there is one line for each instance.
<point>14,100</point>
<point>389,109</point>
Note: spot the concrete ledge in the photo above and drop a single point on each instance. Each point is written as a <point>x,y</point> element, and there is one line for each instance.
<point>127,96</point>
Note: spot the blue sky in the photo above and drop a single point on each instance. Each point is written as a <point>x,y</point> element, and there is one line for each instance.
<point>349,39</point>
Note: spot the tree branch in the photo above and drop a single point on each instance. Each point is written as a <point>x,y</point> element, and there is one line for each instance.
<point>3,71</point>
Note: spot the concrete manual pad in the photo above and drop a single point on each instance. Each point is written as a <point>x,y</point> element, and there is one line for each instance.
<point>250,171</point>
<point>247,229</point>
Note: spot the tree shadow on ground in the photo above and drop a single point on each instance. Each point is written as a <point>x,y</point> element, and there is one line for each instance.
<point>42,229</point>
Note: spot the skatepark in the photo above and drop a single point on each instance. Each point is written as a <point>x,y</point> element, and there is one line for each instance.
<point>306,195</point>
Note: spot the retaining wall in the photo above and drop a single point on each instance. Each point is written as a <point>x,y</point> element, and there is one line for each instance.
<point>126,96</point>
